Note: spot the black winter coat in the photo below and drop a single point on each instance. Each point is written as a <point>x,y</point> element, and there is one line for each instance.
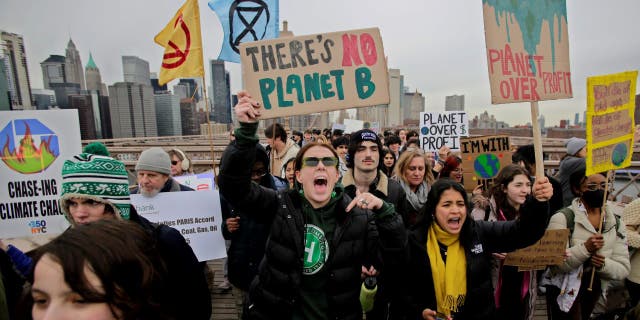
<point>186,283</point>
<point>359,239</point>
<point>479,239</point>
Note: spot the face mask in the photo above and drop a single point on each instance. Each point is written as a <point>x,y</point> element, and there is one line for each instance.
<point>593,199</point>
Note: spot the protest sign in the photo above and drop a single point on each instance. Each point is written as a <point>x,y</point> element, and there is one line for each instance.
<point>198,182</point>
<point>352,125</point>
<point>610,127</point>
<point>438,129</point>
<point>316,73</point>
<point>548,251</point>
<point>482,159</point>
<point>35,145</point>
<point>527,50</point>
<point>196,215</point>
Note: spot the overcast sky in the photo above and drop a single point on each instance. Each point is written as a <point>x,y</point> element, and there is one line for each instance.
<point>438,45</point>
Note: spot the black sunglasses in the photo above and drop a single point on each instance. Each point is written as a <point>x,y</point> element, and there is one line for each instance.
<point>313,161</point>
<point>173,162</point>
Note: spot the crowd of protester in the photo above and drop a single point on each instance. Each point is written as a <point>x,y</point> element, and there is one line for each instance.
<point>311,215</point>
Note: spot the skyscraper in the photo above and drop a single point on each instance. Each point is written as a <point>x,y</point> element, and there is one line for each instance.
<point>413,104</point>
<point>94,115</point>
<point>454,103</point>
<point>576,120</point>
<point>133,111</point>
<point>157,88</point>
<point>168,114</point>
<point>73,66</point>
<point>5,103</point>
<point>43,98</point>
<point>396,88</point>
<point>17,73</point>
<point>53,70</point>
<point>94,79</point>
<point>221,92</point>
<point>136,70</point>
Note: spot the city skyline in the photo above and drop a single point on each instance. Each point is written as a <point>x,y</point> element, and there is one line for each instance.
<point>601,42</point>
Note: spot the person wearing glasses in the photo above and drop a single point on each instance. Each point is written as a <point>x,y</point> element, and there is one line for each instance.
<point>604,250</point>
<point>320,238</point>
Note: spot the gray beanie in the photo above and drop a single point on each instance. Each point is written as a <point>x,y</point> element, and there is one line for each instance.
<point>574,145</point>
<point>154,159</point>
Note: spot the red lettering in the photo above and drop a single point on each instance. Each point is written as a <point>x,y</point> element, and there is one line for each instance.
<point>505,90</point>
<point>534,92</point>
<point>508,59</point>
<point>350,50</point>
<point>368,46</point>
<point>494,56</point>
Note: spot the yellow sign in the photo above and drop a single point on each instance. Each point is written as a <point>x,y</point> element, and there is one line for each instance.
<point>610,108</point>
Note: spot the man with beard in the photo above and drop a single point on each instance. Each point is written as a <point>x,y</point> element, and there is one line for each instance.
<point>154,174</point>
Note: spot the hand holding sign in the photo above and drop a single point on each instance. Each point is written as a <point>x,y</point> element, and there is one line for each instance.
<point>542,189</point>
<point>247,110</point>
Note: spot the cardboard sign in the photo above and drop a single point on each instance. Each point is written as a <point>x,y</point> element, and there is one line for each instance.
<point>610,114</point>
<point>35,145</point>
<point>316,73</point>
<point>527,50</point>
<point>438,129</point>
<point>548,251</point>
<point>482,159</point>
<point>196,215</point>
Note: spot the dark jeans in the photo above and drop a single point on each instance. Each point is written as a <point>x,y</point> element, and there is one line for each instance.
<point>634,292</point>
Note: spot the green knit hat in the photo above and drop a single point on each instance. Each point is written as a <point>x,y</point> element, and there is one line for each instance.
<point>97,178</point>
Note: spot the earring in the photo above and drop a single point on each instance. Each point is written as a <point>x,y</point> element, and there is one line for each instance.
<point>301,191</point>
<point>333,194</point>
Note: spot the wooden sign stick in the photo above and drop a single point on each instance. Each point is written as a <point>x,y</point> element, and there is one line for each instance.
<point>537,140</point>
<point>603,212</point>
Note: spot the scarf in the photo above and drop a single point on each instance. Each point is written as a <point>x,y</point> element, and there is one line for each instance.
<point>416,199</point>
<point>450,279</point>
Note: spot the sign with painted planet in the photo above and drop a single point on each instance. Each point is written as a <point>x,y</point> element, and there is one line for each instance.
<point>482,159</point>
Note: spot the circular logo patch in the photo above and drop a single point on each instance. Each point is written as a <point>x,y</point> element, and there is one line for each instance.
<point>619,154</point>
<point>486,165</point>
<point>316,249</point>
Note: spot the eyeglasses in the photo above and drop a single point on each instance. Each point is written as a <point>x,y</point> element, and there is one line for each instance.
<point>596,186</point>
<point>313,161</point>
<point>258,173</point>
<point>173,162</point>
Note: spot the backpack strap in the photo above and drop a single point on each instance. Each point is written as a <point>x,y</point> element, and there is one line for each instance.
<point>570,217</point>
<point>487,213</point>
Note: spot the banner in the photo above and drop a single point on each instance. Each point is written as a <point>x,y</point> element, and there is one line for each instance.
<point>245,21</point>
<point>482,159</point>
<point>352,125</point>
<point>182,41</point>
<point>197,182</point>
<point>610,116</point>
<point>316,73</point>
<point>35,144</point>
<point>527,50</point>
<point>196,215</point>
<point>438,129</point>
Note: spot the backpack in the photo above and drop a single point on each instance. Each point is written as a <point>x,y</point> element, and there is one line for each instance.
<point>570,217</point>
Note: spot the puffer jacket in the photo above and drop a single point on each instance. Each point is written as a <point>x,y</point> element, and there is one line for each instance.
<point>615,251</point>
<point>479,239</point>
<point>360,238</point>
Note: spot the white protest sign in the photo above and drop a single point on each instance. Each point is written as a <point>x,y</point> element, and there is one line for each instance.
<point>197,182</point>
<point>196,215</point>
<point>352,125</point>
<point>438,129</point>
<point>34,145</point>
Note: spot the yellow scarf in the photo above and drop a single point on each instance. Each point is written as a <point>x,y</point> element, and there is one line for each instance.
<point>450,279</point>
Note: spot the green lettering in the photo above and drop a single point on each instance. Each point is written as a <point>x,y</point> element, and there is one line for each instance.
<point>267,86</point>
<point>281,101</point>
<point>364,85</point>
<point>294,82</point>
<point>326,86</point>
<point>338,75</point>
<point>312,86</point>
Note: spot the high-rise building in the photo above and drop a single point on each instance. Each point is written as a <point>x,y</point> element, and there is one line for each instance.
<point>73,65</point>
<point>86,116</point>
<point>53,70</point>
<point>5,102</point>
<point>133,112</point>
<point>454,103</point>
<point>17,72</point>
<point>396,88</point>
<point>221,92</point>
<point>94,79</point>
<point>194,88</point>
<point>189,117</point>
<point>136,70</point>
<point>44,98</point>
<point>63,91</point>
<point>181,91</point>
<point>168,114</point>
<point>412,105</point>
<point>541,123</point>
<point>576,120</point>
<point>156,84</point>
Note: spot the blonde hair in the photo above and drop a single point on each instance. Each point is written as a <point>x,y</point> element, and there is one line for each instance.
<point>322,139</point>
<point>404,161</point>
